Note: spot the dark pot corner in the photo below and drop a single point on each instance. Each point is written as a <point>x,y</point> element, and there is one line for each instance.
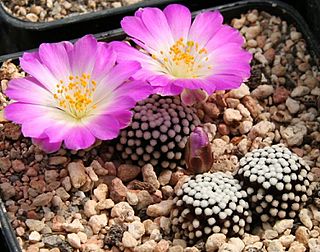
<point>8,239</point>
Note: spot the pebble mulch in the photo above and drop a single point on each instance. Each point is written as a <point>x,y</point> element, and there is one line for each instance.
<point>49,10</point>
<point>83,201</point>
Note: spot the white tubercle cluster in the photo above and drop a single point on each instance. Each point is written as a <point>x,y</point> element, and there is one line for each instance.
<point>277,181</point>
<point>210,203</point>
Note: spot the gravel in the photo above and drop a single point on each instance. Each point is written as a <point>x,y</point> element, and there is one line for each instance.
<point>56,201</point>
<point>49,10</point>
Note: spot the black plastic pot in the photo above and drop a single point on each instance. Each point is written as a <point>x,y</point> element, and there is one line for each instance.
<point>313,17</point>
<point>229,11</point>
<point>8,240</point>
<point>18,35</point>
<point>23,35</point>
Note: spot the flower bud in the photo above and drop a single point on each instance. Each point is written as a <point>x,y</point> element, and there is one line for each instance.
<point>198,154</point>
<point>190,97</point>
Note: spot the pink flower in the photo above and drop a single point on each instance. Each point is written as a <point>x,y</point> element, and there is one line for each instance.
<point>178,54</point>
<point>75,94</point>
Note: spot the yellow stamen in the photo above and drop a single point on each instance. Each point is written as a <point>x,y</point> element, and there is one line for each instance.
<point>75,97</point>
<point>184,59</point>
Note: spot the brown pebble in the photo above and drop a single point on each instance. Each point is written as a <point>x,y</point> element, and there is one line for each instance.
<point>12,131</point>
<point>77,174</point>
<point>144,199</point>
<point>39,185</point>
<point>279,70</point>
<point>33,215</point>
<point>261,40</point>
<point>302,235</point>
<point>32,172</point>
<point>269,55</point>
<point>252,105</point>
<point>316,173</point>
<point>303,67</point>
<point>118,190</point>
<point>63,173</point>
<point>162,246</point>
<point>5,164</point>
<point>232,102</point>
<point>62,193</point>
<point>280,95</point>
<point>18,166</point>
<point>51,176</point>
<point>211,110</point>
<point>88,185</point>
<point>176,176</point>
<point>220,99</point>
<point>110,167</point>
<point>33,247</point>
<point>141,185</point>
<point>98,168</point>
<point>57,222</point>
<point>127,172</point>
<point>149,176</point>
<point>223,129</point>
<point>57,160</point>
<point>311,82</point>
<point>8,191</point>
<point>298,151</point>
<point>20,231</point>
<point>32,17</point>
<point>66,183</point>
<point>43,199</point>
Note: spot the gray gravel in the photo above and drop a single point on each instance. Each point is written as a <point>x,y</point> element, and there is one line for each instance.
<point>49,10</point>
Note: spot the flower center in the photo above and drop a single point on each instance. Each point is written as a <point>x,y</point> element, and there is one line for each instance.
<point>75,95</point>
<point>184,60</point>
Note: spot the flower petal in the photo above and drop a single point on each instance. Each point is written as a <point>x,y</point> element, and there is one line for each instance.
<point>19,112</point>
<point>157,24</point>
<point>105,60</point>
<point>55,57</point>
<point>104,127</point>
<point>74,134</point>
<point>135,28</point>
<point>115,104</point>
<point>205,26</point>
<point>123,118</point>
<point>149,67</point>
<point>83,56</point>
<point>225,35</point>
<point>79,137</point>
<point>138,90</point>
<point>174,14</point>
<point>46,146</point>
<point>230,59</point>
<point>115,79</point>
<point>122,72</point>
<point>170,89</point>
<point>28,90</point>
<point>31,63</point>
<point>159,79</point>
<point>193,84</point>
<point>30,115</point>
<point>126,52</point>
<point>224,81</point>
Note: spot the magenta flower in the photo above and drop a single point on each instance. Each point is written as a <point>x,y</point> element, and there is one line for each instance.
<point>75,94</point>
<point>177,54</point>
